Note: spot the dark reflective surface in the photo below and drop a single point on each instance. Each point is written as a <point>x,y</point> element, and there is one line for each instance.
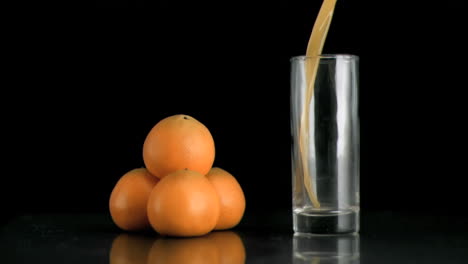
<point>326,249</point>
<point>217,247</point>
<point>385,238</point>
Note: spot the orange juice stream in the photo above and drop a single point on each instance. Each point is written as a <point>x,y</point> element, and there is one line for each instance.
<point>314,48</point>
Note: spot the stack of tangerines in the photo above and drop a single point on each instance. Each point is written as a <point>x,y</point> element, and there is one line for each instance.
<point>178,193</point>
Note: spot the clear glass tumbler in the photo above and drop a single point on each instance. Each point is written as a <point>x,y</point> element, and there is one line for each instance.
<point>325,144</point>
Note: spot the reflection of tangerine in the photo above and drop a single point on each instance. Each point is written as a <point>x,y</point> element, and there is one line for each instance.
<point>231,196</point>
<point>199,250</point>
<point>230,247</point>
<point>130,249</point>
<point>183,203</point>
<point>178,142</point>
<point>128,200</point>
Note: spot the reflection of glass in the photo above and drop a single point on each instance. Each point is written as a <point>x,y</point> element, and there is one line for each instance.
<point>325,145</point>
<point>216,247</point>
<point>326,249</point>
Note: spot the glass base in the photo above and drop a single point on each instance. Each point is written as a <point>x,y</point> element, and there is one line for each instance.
<point>313,221</point>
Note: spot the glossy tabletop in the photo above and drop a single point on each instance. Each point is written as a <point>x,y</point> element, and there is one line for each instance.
<point>385,237</point>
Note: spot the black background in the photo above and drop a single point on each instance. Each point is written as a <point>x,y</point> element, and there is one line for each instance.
<point>84,90</point>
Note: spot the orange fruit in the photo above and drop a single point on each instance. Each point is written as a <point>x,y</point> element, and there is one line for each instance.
<point>232,200</point>
<point>184,203</point>
<point>230,247</point>
<point>128,200</point>
<point>130,249</point>
<point>199,250</point>
<point>178,142</point>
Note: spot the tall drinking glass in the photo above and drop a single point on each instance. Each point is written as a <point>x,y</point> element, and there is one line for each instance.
<point>325,144</point>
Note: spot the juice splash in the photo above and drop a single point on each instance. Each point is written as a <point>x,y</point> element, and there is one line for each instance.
<point>314,48</point>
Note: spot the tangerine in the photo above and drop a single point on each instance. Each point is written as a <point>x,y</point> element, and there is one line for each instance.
<point>128,200</point>
<point>178,142</point>
<point>184,203</point>
<point>232,200</point>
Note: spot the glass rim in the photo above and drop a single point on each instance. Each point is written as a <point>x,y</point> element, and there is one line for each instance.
<point>326,57</point>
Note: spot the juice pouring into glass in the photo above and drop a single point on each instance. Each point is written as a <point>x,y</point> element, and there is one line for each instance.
<point>324,121</point>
